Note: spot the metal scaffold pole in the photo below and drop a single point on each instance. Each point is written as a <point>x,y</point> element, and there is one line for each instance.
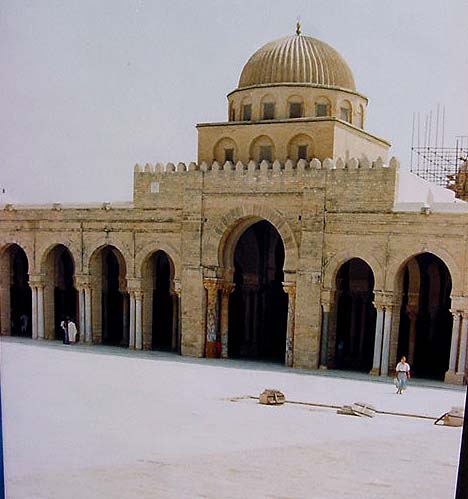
<point>462,479</point>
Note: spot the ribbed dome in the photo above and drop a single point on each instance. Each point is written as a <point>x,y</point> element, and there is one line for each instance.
<point>297,59</point>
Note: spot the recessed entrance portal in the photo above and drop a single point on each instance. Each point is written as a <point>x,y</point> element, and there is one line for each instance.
<point>164,333</point>
<point>60,297</point>
<point>355,319</point>
<point>258,307</point>
<point>425,318</point>
<point>115,301</point>
<point>16,307</point>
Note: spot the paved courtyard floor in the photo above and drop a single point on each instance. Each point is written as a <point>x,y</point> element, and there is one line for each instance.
<point>96,422</point>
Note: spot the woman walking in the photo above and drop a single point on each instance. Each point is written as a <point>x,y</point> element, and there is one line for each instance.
<point>402,375</point>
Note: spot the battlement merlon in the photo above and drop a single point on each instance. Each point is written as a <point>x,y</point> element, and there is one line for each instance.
<point>352,185</point>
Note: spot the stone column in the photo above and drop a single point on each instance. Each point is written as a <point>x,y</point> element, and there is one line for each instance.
<point>81,312</point>
<point>324,337</point>
<point>454,343</point>
<point>174,321</point>
<point>290,289</point>
<point>211,286</point>
<point>461,368</point>
<point>362,333</point>
<point>126,319</point>
<point>354,316</point>
<point>412,315</point>
<point>40,312</point>
<point>386,340</point>
<point>34,311</point>
<point>138,320</point>
<point>226,291</point>
<point>178,295</point>
<point>175,293</point>
<point>378,339</point>
<point>131,333</point>
<point>87,305</point>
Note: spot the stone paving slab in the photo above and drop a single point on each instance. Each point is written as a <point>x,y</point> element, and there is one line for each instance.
<point>93,422</point>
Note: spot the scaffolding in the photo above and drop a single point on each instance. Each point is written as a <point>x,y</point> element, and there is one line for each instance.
<point>431,159</point>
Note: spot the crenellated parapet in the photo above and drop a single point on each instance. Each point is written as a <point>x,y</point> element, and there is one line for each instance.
<point>355,183</point>
<point>275,166</point>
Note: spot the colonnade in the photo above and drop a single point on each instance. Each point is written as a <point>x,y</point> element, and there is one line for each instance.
<point>386,338</point>
<point>458,348</point>
<point>85,311</point>
<point>218,292</point>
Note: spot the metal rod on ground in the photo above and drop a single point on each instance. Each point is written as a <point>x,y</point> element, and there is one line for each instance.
<point>330,406</point>
<point>462,479</point>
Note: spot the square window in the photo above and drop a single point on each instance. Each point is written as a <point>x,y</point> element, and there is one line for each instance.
<point>154,187</point>
<point>269,111</point>
<point>266,153</point>
<point>295,109</point>
<point>247,112</point>
<point>321,109</point>
<point>229,155</point>
<point>302,152</point>
<point>344,114</point>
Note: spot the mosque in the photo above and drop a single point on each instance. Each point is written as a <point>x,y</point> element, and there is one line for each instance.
<point>292,239</point>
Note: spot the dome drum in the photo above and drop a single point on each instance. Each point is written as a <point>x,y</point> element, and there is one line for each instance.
<point>288,100</point>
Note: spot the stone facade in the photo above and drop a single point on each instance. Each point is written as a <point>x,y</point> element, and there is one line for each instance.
<point>337,205</point>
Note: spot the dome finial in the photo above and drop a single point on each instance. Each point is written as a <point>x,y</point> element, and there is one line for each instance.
<point>298,26</point>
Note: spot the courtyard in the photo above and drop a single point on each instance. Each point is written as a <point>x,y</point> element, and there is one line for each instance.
<point>104,422</point>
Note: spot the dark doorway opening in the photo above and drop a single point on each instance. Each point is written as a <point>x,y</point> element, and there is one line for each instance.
<point>258,307</point>
<point>115,301</point>
<point>425,318</point>
<point>163,304</point>
<point>65,295</point>
<point>355,319</point>
<point>20,293</point>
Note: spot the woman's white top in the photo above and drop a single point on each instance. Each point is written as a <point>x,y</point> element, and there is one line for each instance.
<point>402,366</point>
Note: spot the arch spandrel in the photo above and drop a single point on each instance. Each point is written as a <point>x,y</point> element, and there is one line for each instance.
<point>44,253</point>
<point>149,249</point>
<point>123,258</point>
<point>220,241</point>
<point>333,266</point>
<point>27,247</point>
<point>396,267</point>
<point>91,250</point>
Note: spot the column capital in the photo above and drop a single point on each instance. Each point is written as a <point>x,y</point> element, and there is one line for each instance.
<point>289,288</point>
<point>326,306</point>
<point>211,284</point>
<point>82,281</point>
<point>227,288</point>
<point>133,284</point>
<point>379,306</point>
<point>37,280</point>
<point>387,299</point>
<point>176,288</point>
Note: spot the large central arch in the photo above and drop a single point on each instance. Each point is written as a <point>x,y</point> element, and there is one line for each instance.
<point>254,256</point>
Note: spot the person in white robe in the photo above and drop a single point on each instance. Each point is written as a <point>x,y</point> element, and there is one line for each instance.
<point>72,331</point>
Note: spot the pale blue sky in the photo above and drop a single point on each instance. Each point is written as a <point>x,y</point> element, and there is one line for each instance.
<point>90,88</point>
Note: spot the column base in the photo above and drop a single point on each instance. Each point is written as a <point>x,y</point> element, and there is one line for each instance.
<point>322,367</point>
<point>211,350</point>
<point>375,371</point>
<point>454,378</point>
